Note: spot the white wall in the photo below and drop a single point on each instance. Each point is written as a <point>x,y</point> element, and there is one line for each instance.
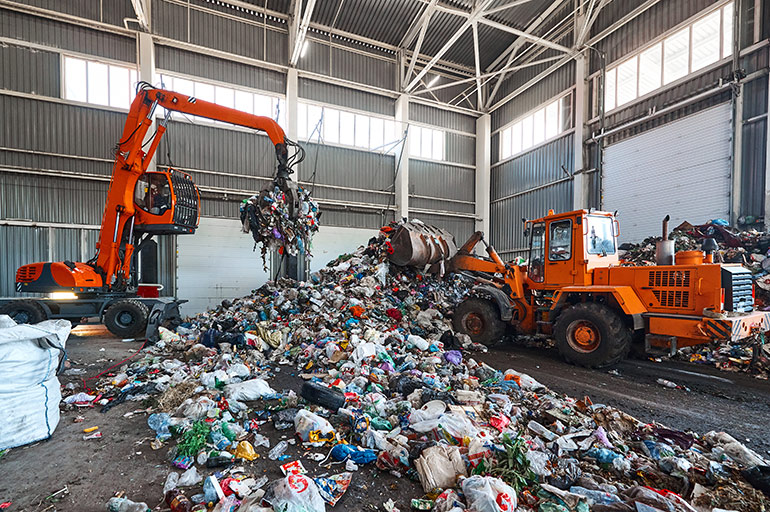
<point>332,241</point>
<point>216,263</point>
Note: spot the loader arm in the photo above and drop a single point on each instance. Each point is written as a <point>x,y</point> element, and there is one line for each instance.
<point>114,250</point>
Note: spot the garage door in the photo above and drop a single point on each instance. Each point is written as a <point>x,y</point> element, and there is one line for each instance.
<point>216,263</point>
<point>681,169</point>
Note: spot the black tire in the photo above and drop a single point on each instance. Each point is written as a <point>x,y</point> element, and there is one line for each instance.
<point>24,311</point>
<point>480,319</point>
<point>126,318</point>
<point>317,393</point>
<point>592,335</point>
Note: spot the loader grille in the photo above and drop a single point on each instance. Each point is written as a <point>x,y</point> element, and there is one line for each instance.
<point>670,278</point>
<point>673,298</point>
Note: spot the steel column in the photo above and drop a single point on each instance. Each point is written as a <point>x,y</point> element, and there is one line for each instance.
<point>580,182</point>
<point>401,182</point>
<point>483,175</point>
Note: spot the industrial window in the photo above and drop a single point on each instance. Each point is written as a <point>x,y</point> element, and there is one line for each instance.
<point>426,143</point>
<point>99,83</point>
<point>231,97</point>
<point>545,123</point>
<point>321,123</point>
<point>701,43</point>
<point>560,240</point>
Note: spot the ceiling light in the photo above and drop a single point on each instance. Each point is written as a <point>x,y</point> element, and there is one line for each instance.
<point>304,49</point>
<point>433,81</point>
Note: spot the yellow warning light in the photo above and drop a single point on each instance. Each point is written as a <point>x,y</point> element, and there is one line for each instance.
<point>550,211</point>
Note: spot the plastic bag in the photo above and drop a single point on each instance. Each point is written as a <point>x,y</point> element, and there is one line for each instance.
<point>29,402</point>
<point>190,477</point>
<point>430,411</point>
<point>455,427</point>
<point>439,466</point>
<point>159,422</point>
<point>348,451</point>
<point>295,493</point>
<point>306,422</point>
<point>196,409</point>
<point>489,494</point>
<point>172,481</point>
<point>248,390</point>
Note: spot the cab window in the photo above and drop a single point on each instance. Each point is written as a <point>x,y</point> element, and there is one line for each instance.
<point>600,235</point>
<point>536,267</point>
<point>560,240</point>
<point>153,193</point>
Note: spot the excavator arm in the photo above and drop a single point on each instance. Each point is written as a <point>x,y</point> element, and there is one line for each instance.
<point>115,247</point>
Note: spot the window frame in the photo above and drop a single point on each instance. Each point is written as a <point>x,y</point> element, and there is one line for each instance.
<point>688,24</point>
<point>133,70</point>
<point>550,238</point>
<point>517,125</point>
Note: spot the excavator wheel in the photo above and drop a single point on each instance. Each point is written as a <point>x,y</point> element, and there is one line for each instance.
<point>126,318</point>
<point>592,335</point>
<point>24,311</point>
<point>480,319</point>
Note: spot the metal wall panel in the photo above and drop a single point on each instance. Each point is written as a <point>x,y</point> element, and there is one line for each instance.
<point>552,85</point>
<point>535,168</point>
<point>440,205</point>
<point>21,245</point>
<point>59,128</point>
<point>75,38</point>
<point>441,117</point>
<point>199,146</point>
<point>754,170</point>
<point>170,20</point>
<point>370,219</point>
<point>507,229</point>
<point>106,11</point>
<point>206,66</point>
<point>349,65</point>
<point>460,227</point>
<point>442,181</point>
<point>682,169</point>
<point>66,244</point>
<point>51,199</point>
<point>26,70</point>
<point>460,149</point>
<point>332,94</point>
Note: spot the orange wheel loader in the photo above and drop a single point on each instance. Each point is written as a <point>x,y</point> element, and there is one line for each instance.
<point>140,204</point>
<point>574,289</point>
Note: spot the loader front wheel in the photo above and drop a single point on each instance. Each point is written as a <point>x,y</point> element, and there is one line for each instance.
<point>126,318</point>
<point>24,311</point>
<point>479,319</point>
<point>592,335</point>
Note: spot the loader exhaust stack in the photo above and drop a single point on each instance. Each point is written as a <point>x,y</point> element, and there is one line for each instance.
<point>664,250</point>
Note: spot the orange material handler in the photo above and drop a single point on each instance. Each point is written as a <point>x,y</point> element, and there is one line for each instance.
<point>140,204</point>
<point>575,289</point>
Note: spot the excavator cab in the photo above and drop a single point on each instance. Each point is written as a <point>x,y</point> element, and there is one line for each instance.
<point>167,203</point>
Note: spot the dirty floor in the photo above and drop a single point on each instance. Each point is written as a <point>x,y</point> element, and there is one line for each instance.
<point>84,474</point>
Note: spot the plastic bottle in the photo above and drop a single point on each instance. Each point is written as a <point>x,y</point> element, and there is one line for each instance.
<point>178,501</point>
<point>598,497</point>
<point>667,383</point>
<point>126,505</point>
<point>277,450</point>
<point>159,422</point>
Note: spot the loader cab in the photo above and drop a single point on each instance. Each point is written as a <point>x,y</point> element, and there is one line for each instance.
<point>565,247</point>
<point>167,203</point>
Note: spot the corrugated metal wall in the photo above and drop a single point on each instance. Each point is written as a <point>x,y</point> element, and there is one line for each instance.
<point>27,70</point>
<point>754,161</point>
<point>348,64</point>
<point>527,187</point>
<point>106,11</point>
<point>346,97</point>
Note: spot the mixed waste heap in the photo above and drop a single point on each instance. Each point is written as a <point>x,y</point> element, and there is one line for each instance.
<point>388,384</point>
<point>750,248</point>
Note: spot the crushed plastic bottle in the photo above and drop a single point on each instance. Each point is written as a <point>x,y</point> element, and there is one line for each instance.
<point>277,450</point>
<point>126,505</point>
<point>667,383</point>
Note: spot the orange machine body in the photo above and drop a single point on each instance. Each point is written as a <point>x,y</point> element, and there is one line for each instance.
<point>574,258</point>
<point>142,202</point>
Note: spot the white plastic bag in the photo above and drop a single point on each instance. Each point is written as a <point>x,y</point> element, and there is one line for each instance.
<point>190,477</point>
<point>489,494</point>
<point>297,493</point>
<point>439,466</point>
<point>29,402</point>
<point>306,422</point>
<point>248,390</point>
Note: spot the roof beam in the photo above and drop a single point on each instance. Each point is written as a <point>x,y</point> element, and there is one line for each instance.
<point>478,64</point>
<point>419,22</point>
<point>301,30</point>
<point>514,3</point>
<point>474,15</point>
<point>425,20</point>
<point>142,13</point>
<point>521,33</point>
<point>518,43</point>
<point>622,21</point>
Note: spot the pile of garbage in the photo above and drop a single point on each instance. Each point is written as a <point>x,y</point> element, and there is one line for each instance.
<point>283,220</point>
<point>385,384</point>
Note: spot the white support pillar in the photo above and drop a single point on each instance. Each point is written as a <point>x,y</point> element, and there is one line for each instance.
<point>767,162</point>
<point>736,195</point>
<point>292,86</point>
<point>402,160</point>
<point>580,181</point>
<point>145,53</point>
<point>483,176</point>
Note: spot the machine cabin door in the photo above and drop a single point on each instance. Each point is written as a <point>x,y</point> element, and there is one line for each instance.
<point>167,203</point>
<point>560,252</point>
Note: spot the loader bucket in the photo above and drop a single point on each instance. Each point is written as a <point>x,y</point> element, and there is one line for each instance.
<point>419,245</point>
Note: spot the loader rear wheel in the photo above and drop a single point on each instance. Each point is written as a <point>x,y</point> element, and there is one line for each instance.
<point>126,318</point>
<point>479,319</point>
<point>592,335</point>
<point>24,311</point>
